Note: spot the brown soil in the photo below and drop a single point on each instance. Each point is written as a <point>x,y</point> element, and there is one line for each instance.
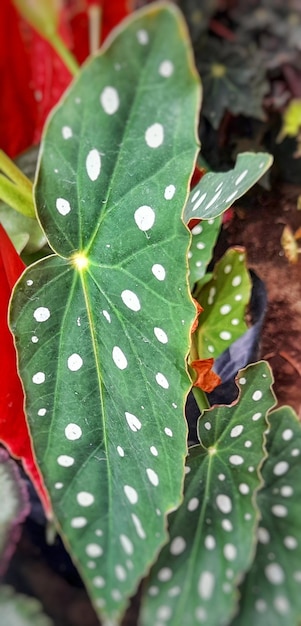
<point>259,228</point>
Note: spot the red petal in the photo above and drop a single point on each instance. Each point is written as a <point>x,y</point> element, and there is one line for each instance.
<point>17,106</point>
<point>13,427</point>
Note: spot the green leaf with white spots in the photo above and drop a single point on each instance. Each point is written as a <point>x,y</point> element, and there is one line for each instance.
<point>224,299</point>
<point>212,534</point>
<point>216,192</point>
<point>17,609</point>
<point>102,327</point>
<point>271,591</point>
<point>204,236</point>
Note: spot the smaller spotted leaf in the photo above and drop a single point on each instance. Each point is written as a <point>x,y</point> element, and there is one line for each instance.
<point>224,299</point>
<point>216,192</point>
<point>270,593</point>
<point>212,534</point>
<point>102,325</point>
<point>17,609</point>
<point>204,236</point>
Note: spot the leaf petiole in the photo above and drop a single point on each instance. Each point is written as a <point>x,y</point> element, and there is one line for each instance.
<point>65,55</point>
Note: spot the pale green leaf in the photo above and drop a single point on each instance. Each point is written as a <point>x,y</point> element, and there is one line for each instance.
<point>216,192</point>
<point>17,609</point>
<point>212,534</point>
<point>224,299</point>
<point>102,329</point>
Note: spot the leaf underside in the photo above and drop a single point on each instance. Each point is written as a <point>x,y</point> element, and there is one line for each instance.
<point>216,192</point>
<point>102,327</point>
<point>212,534</point>
<point>270,594</point>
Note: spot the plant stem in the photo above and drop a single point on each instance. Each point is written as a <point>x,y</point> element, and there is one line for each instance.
<point>200,398</point>
<point>94,15</point>
<point>67,57</point>
<point>14,173</point>
<point>17,197</point>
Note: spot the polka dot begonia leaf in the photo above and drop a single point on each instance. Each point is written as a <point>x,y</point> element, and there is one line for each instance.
<point>204,236</point>
<point>271,589</point>
<point>102,326</point>
<point>224,299</point>
<point>212,534</point>
<point>16,609</point>
<point>216,192</point>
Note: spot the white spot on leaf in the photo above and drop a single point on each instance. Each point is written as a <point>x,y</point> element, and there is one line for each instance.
<point>67,132</point>
<point>73,432</point>
<point>65,461</point>
<point>224,503</point>
<point>169,192</point>
<point>274,573</point>
<point>119,358</point>
<point>166,69</point>
<point>177,546</point>
<point>63,206</point>
<point>94,550</point>
<point>161,335</point>
<point>145,217</point>
<point>154,135</point>
<point>138,526</point>
<point>206,585</point>
<point>162,381</point>
<point>131,300</point>
<point>93,164</point>
<point>131,494</point>
<point>109,99</point>
<point>41,314</point>
<point>78,522</point>
<point>38,378</point>
<point>74,362</point>
<point>142,36</point>
<point>133,421</point>
<point>153,477</point>
<point>85,498</point>
<point>159,271</point>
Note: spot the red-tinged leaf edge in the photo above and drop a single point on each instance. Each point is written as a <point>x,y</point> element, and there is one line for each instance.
<point>14,434</point>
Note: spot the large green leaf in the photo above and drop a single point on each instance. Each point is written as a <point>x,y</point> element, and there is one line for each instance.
<point>102,328</point>
<point>224,299</point>
<point>212,534</point>
<point>270,594</point>
<point>216,192</point>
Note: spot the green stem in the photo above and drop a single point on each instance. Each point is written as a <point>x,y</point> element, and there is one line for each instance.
<point>18,198</point>
<point>14,173</point>
<point>67,57</point>
<point>200,398</point>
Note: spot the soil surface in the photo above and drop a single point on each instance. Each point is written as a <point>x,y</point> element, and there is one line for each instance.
<point>259,227</point>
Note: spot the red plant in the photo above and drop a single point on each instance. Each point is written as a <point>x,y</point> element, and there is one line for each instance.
<point>13,427</point>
